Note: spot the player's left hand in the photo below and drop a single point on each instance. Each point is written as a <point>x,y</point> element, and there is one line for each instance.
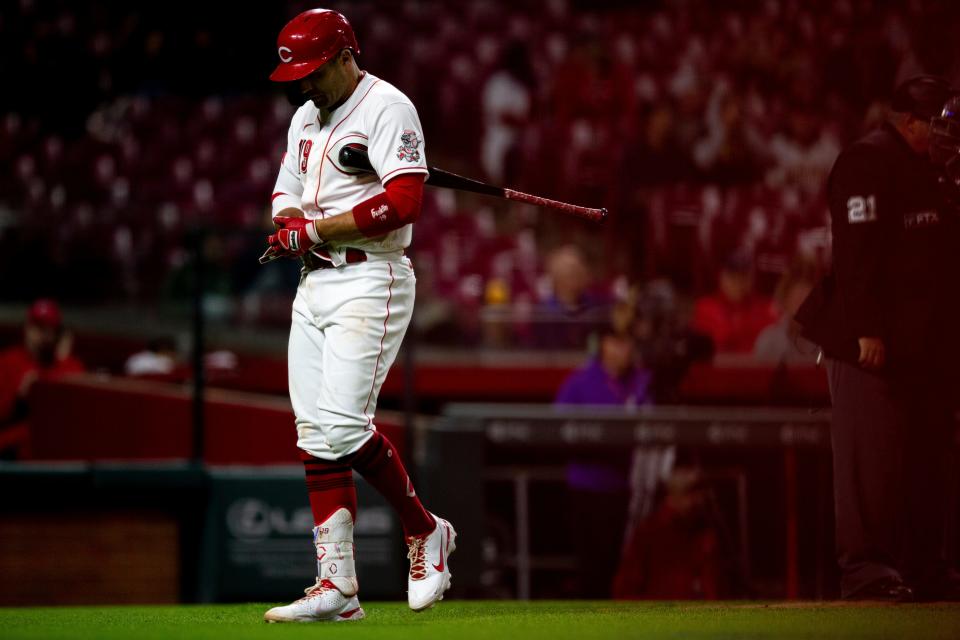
<point>872,352</point>
<point>294,237</point>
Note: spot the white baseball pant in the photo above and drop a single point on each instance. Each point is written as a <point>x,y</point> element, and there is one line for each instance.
<point>346,330</point>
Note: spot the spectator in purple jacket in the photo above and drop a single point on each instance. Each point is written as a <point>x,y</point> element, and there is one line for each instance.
<point>612,377</point>
<point>599,483</point>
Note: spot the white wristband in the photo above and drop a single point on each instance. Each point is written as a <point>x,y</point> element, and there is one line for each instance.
<point>315,238</point>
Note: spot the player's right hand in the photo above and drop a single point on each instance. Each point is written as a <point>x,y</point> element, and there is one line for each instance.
<point>295,237</point>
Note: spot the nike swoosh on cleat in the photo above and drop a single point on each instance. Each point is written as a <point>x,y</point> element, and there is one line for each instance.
<point>439,567</point>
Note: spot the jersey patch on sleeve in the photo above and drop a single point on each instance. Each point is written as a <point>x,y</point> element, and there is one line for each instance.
<point>305,146</point>
<point>861,209</point>
<point>408,146</point>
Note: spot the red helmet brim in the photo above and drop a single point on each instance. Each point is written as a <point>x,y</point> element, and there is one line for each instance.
<point>290,71</point>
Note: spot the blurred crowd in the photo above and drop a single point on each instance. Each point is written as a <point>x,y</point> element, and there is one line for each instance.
<point>706,128</point>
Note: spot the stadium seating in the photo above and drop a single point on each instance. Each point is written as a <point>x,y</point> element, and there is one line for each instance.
<point>695,129</point>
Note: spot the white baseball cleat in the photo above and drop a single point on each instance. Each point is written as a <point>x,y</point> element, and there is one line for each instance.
<point>429,565</point>
<point>334,595</point>
<point>323,603</point>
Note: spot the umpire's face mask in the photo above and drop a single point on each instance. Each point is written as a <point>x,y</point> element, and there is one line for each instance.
<point>945,140</point>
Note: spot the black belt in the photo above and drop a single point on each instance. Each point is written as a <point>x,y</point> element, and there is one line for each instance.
<point>312,261</point>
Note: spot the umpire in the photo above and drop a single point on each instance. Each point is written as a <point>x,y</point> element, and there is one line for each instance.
<point>887,319</point>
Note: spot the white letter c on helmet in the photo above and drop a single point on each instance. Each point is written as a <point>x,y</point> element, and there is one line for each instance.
<point>289,56</point>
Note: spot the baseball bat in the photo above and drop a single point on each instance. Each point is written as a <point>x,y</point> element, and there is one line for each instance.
<point>356,158</point>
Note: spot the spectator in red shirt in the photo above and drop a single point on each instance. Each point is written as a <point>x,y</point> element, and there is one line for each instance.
<point>734,315</point>
<point>44,354</point>
<point>674,554</point>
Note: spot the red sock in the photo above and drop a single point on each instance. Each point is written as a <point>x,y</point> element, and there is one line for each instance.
<point>377,461</point>
<point>330,487</point>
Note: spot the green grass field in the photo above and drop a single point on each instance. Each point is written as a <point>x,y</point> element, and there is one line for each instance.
<point>486,619</point>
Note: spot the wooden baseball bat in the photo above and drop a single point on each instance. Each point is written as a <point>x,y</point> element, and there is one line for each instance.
<point>356,158</point>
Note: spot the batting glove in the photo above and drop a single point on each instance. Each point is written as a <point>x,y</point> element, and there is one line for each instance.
<point>295,237</point>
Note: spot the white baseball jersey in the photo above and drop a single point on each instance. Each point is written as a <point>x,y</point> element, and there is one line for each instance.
<point>376,116</point>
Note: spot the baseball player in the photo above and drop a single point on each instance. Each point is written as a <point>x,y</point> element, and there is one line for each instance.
<point>353,303</point>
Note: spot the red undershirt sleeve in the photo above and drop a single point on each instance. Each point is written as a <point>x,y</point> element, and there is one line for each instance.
<point>396,207</point>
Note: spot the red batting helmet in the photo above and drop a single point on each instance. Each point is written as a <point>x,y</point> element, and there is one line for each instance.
<point>310,40</point>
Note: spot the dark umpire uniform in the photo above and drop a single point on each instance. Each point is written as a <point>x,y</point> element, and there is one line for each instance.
<point>887,319</point>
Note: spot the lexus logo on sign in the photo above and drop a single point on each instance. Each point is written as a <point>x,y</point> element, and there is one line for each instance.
<point>285,58</point>
<point>251,518</point>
